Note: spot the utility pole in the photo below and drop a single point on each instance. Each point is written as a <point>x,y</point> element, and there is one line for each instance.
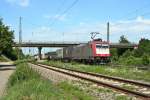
<point>29,48</point>
<point>20,36</point>
<point>63,36</point>
<point>20,30</point>
<point>32,48</point>
<point>108,32</point>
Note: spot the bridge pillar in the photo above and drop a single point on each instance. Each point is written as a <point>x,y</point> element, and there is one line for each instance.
<point>39,53</point>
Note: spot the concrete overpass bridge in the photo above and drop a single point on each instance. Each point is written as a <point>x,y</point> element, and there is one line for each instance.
<point>68,43</point>
<point>40,45</point>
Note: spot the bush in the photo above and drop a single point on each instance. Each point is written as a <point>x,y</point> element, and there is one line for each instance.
<point>143,47</point>
<point>23,72</point>
<point>127,53</point>
<point>130,60</point>
<point>145,60</point>
<point>114,58</point>
<point>138,52</point>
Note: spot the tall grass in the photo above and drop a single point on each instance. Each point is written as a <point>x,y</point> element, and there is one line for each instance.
<point>23,72</point>
<point>2,59</point>
<point>27,84</point>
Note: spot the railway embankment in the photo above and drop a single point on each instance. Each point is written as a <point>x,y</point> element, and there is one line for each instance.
<point>27,84</point>
<point>100,80</point>
<point>34,82</point>
<point>118,71</point>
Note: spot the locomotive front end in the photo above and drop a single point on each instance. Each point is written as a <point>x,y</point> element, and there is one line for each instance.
<point>101,51</point>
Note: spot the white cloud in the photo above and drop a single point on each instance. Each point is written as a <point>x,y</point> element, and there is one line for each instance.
<point>22,3</point>
<point>133,29</point>
<point>56,17</point>
<point>131,26</point>
<point>42,33</point>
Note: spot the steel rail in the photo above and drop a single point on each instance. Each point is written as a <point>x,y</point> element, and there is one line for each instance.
<point>141,95</point>
<point>3,69</point>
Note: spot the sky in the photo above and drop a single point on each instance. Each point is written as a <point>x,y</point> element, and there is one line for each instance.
<point>74,20</point>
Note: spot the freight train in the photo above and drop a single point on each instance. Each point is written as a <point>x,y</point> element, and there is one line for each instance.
<point>96,51</point>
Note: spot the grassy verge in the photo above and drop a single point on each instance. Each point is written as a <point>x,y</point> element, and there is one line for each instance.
<point>26,84</point>
<point>2,59</point>
<point>123,71</point>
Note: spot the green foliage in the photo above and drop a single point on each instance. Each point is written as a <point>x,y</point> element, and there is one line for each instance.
<point>12,54</point>
<point>114,55</point>
<point>137,52</point>
<point>27,56</point>
<point>6,41</point>
<point>2,59</point>
<point>127,53</point>
<point>123,39</point>
<point>73,92</point>
<point>6,37</point>
<point>143,48</point>
<point>23,72</point>
<point>145,60</point>
<point>113,51</point>
<point>127,58</point>
<point>122,97</point>
<point>130,60</point>
<point>38,89</point>
<point>17,62</point>
<point>144,44</point>
<point>132,57</point>
<point>27,84</point>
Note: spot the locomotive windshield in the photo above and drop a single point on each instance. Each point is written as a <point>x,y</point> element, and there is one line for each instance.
<point>102,49</point>
<point>101,46</point>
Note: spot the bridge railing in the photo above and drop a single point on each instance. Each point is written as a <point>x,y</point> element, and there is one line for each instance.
<point>54,42</point>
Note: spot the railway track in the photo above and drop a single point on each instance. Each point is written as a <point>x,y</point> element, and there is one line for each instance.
<point>106,81</point>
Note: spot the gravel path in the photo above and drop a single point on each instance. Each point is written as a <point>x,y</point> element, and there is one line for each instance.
<point>6,69</point>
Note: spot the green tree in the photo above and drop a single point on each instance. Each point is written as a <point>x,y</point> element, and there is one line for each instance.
<point>6,41</point>
<point>145,59</point>
<point>127,53</point>
<point>14,54</point>
<point>143,48</point>
<point>114,55</point>
<point>6,38</point>
<point>123,39</point>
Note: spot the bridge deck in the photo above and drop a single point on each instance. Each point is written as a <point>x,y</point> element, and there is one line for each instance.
<point>66,44</point>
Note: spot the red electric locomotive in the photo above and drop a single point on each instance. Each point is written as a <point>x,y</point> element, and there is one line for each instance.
<point>96,51</point>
